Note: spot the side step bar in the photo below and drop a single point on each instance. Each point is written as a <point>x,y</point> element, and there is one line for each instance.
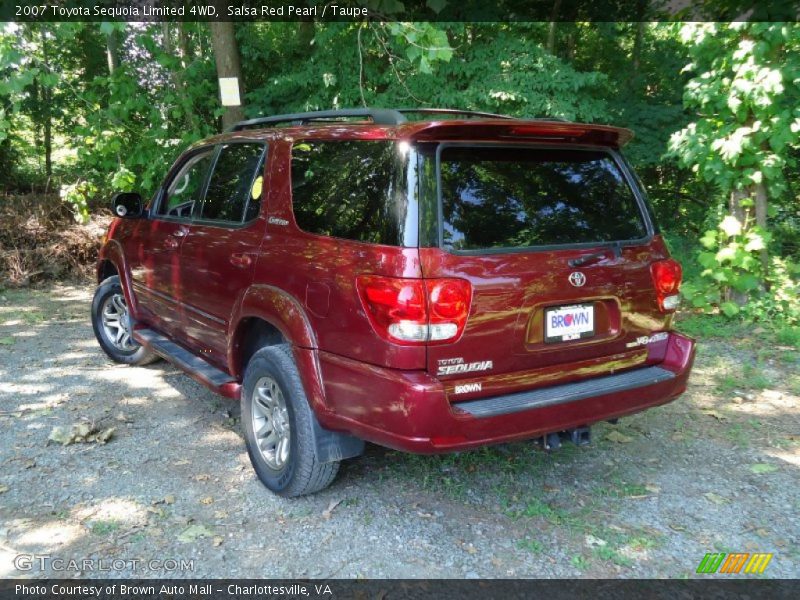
<point>199,369</point>
<point>562,394</point>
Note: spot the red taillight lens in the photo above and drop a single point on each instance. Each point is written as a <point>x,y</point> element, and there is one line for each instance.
<point>415,311</point>
<point>449,301</point>
<point>667,280</point>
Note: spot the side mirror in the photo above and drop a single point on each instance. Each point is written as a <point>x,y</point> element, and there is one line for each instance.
<point>127,205</point>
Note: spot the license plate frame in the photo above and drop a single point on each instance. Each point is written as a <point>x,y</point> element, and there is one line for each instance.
<point>580,327</point>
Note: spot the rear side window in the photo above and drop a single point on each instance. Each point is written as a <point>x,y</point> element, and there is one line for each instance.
<point>522,197</point>
<point>354,190</point>
<point>232,182</point>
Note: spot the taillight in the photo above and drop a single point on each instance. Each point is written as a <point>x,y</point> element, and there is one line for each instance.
<point>416,311</point>
<point>667,280</point>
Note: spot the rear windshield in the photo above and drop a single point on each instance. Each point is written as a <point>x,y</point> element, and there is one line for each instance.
<point>521,197</point>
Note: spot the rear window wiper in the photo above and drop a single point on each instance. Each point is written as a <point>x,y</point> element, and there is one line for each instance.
<point>588,258</point>
<point>616,247</point>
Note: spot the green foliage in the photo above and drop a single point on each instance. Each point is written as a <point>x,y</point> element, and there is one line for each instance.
<point>715,108</point>
<point>77,195</point>
<point>746,90</point>
<point>730,261</point>
<point>488,66</point>
<point>123,180</point>
<point>782,304</point>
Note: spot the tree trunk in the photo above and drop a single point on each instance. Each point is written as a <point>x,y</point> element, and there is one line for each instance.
<point>551,32</point>
<point>112,51</point>
<point>735,205</point>
<point>47,95</point>
<point>166,37</point>
<point>742,214</point>
<point>761,221</point>
<point>571,42</point>
<point>226,56</point>
<point>637,47</point>
<point>183,45</point>
<point>178,76</point>
<point>305,34</point>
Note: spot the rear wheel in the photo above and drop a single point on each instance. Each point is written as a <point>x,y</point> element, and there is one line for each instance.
<point>278,426</point>
<point>112,328</point>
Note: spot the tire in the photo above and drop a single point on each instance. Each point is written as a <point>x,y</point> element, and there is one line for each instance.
<point>109,309</point>
<point>288,467</point>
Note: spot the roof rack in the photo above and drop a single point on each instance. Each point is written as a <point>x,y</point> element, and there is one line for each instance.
<point>379,116</point>
<point>452,111</point>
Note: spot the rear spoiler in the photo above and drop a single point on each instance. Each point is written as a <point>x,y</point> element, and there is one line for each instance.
<point>540,130</point>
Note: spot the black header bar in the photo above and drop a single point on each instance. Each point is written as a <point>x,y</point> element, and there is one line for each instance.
<point>399,10</point>
<point>710,588</point>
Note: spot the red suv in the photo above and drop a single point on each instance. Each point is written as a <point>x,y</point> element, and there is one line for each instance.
<point>427,285</point>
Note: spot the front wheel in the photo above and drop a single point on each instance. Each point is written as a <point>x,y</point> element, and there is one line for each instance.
<point>278,426</point>
<point>112,328</point>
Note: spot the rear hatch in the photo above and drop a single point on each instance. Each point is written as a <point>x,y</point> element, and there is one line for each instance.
<point>557,244</point>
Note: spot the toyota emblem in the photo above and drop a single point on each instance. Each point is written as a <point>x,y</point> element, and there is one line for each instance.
<point>577,278</point>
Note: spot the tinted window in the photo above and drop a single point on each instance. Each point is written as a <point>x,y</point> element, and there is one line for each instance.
<point>256,192</point>
<point>520,197</point>
<point>185,189</point>
<point>232,182</point>
<point>352,190</point>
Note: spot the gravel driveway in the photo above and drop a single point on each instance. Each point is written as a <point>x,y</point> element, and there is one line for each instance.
<point>715,471</point>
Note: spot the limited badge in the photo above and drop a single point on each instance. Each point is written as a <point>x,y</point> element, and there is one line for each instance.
<point>258,184</point>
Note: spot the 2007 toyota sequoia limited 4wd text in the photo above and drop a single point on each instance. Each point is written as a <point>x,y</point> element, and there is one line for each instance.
<point>429,285</point>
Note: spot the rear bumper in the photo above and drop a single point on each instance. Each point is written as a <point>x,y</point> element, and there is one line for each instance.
<point>409,410</point>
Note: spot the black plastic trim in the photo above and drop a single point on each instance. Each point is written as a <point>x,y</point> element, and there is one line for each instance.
<point>379,116</point>
<point>563,394</point>
<point>182,358</point>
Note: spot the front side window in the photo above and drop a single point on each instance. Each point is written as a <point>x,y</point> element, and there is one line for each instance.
<point>506,198</point>
<point>185,189</point>
<point>230,193</point>
<point>356,190</point>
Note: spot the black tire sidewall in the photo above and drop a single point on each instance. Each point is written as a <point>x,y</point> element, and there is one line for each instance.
<point>107,288</point>
<point>267,362</point>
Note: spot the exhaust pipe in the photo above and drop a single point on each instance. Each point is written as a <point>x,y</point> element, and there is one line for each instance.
<point>580,436</point>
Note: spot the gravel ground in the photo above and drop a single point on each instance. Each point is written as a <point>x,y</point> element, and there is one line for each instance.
<point>715,471</point>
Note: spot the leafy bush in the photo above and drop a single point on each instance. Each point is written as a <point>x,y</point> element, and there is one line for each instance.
<point>77,196</point>
<point>732,268</point>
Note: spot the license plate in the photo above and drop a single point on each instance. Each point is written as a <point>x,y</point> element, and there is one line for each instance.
<point>565,323</point>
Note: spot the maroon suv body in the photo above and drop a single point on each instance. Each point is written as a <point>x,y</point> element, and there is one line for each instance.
<point>441,284</point>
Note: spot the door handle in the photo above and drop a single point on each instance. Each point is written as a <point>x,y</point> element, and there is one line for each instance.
<point>179,233</point>
<point>241,260</point>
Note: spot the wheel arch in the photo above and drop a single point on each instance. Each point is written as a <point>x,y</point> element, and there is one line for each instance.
<point>105,269</point>
<point>270,315</point>
<point>250,335</point>
<point>111,261</point>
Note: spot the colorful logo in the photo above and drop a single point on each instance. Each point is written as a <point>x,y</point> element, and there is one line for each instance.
<point>754,564</point>
<point>569,319</point>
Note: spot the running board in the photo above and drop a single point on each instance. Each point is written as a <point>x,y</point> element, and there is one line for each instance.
<point>198,368</point>
<point>562,394</point>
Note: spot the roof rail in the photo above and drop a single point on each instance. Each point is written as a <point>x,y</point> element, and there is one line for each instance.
<point>379,116</point>
<point>452,111</point>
